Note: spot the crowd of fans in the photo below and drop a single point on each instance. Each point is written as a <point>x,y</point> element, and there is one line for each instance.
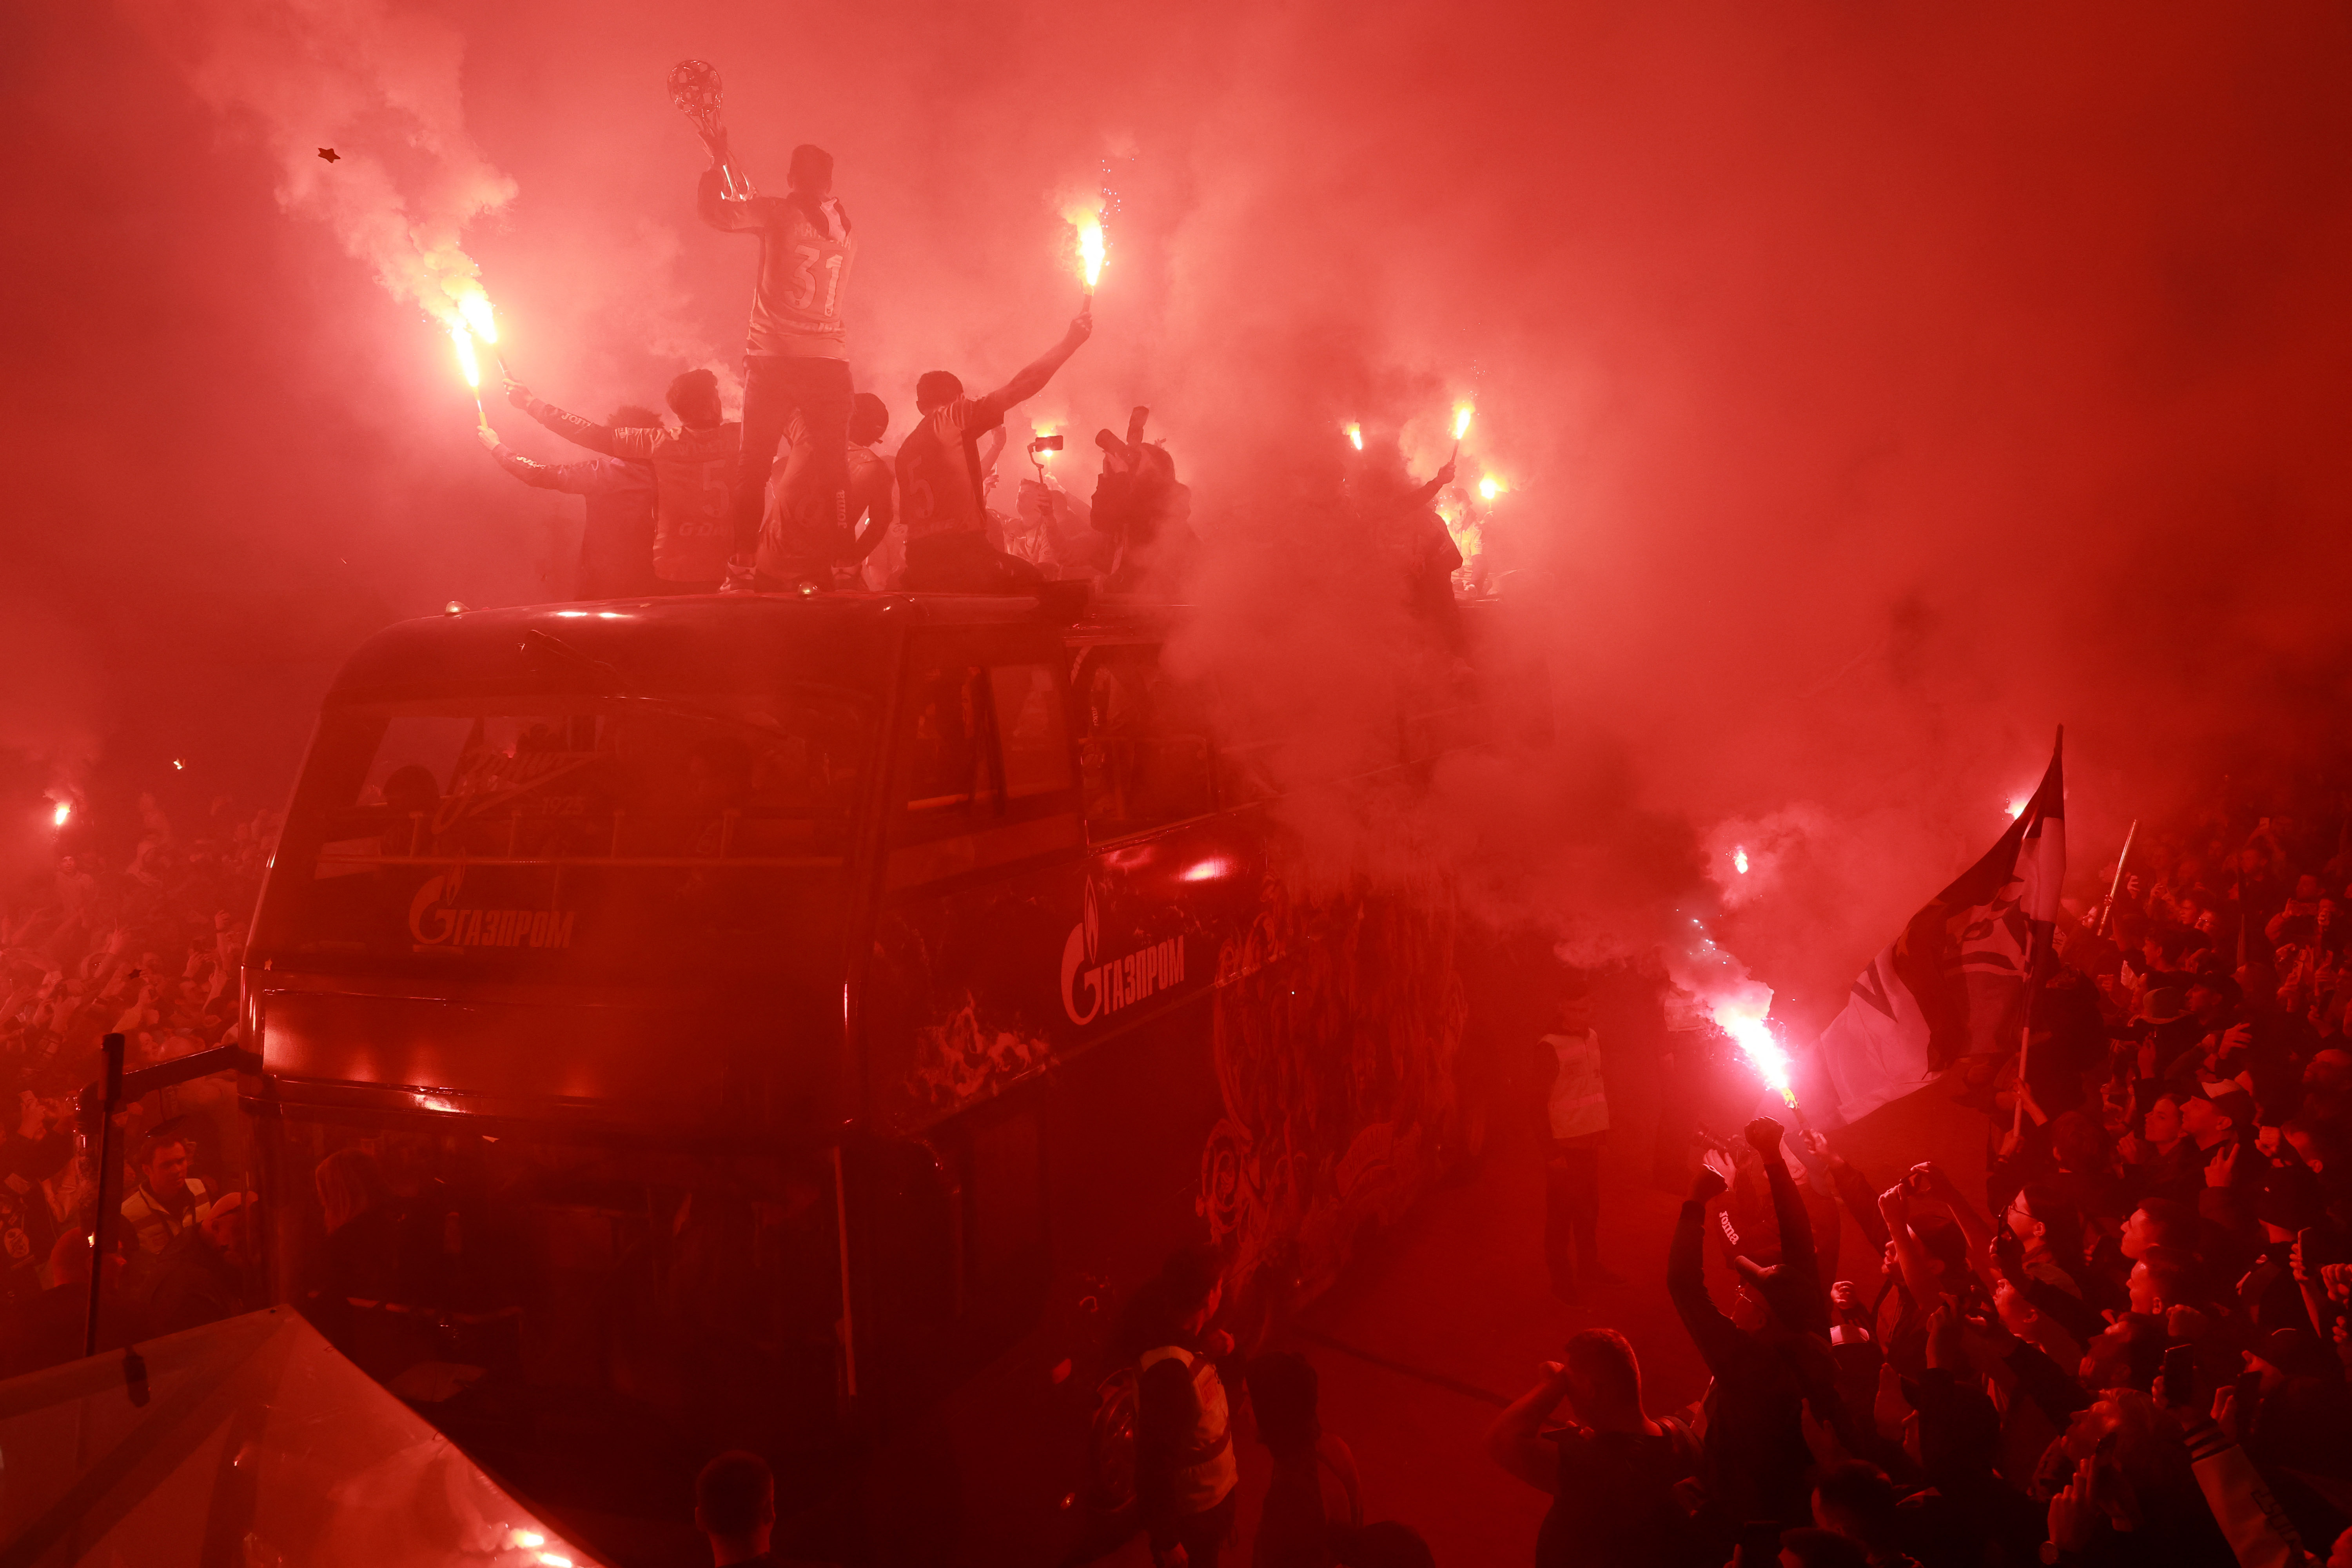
<point>2130,1349</point>
<point>147,946</point>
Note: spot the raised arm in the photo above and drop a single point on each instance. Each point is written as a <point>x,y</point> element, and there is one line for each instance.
<point>584,478</point>
<point>1946,1191</point>
<point>1918,1273</point>
<point>1515,1441</point>
<point>1796,1228</point>
<point>1861,1201</point>
<point>1427,494</point>
<point>570,426</point>
<point>730,217</point>
<point>1716,1336</point>
<point>1034,376</point>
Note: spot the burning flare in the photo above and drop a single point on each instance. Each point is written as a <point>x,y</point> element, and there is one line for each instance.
<point>1743,1022</point>
<point>1090,249</point>
<point>1461,413</point>
<point>1489,487</point>
<point>476,309</point>
<point>1739,859</point>
<point>63,813</point>
<point>1356,436</point>
<point>466,360</point>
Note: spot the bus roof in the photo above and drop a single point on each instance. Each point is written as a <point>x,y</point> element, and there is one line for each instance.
<point>678,643</point>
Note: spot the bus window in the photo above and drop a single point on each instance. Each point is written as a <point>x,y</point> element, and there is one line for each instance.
<point>982,736</point>
<point>985,768</point>
<point>1143,744</point>
<point>545,837</point>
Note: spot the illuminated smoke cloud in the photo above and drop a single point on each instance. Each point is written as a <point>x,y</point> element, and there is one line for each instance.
<point>381,87</point>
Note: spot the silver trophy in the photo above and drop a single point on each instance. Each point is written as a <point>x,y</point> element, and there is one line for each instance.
<point>695,88</point>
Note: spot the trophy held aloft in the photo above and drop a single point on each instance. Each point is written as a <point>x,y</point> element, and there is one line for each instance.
<point>695,88</point>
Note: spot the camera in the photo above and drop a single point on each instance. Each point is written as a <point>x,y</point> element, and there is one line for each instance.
<point>1046,443</point>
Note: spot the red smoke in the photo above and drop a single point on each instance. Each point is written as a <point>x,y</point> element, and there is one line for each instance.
<point>1879,389</point>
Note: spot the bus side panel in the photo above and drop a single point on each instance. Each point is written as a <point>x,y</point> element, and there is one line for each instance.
<point>1122,1129</point>
<point>1294,1086</point>
<point>982,984</point>
<point>1338,1021</point>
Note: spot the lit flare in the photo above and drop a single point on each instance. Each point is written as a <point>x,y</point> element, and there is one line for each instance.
<point>476,309</point>
<point>63,813</point>
<point>467,363</point>
<point>1753,1035</point>
<point>1462,420</point>
<point>1739,859</point>
<point>1090,249</point>
<point>1356,436</point>
<point>1489,487</point>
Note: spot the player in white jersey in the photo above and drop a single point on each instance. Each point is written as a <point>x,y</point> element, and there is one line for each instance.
<point>797,361</point>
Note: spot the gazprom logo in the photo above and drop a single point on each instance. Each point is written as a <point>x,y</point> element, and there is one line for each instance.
<point>1124,981</point>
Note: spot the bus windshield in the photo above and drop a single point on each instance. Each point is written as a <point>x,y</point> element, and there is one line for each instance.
<point>563,838</point>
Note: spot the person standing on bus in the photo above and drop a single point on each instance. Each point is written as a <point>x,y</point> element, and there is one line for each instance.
<point>617,547</point>
<point>690,469</point>
<point>940,490</point>
<point>793,551</point>
<point>1185,1474</point>
<point>798,361</point>
<point>1575,1113</point>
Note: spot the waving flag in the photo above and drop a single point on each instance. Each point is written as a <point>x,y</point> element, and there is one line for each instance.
<point>1956,980</point>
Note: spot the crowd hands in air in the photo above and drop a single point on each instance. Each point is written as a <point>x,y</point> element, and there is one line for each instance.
<point>2130,1349</point>
<point>797,494</point>
<point>148,947</point>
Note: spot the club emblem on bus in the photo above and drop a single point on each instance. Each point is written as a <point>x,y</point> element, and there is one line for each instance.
<point>1122,982</point>
<point>435,922</point>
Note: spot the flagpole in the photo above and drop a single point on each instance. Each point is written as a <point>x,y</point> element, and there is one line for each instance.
<point>2117,886</point>
<point>2034,958</point>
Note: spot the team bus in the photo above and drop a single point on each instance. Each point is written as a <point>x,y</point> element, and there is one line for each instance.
<point>798,1023</point>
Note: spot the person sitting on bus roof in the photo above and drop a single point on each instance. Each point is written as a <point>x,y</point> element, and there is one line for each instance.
<point>938,477</point>
<point>168,1200</point>
<point>794,550</point>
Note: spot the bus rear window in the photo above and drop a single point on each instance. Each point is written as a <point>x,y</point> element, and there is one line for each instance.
<point>589,835</point>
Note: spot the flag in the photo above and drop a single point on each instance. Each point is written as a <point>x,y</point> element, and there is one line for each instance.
<point>1956,980</point>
